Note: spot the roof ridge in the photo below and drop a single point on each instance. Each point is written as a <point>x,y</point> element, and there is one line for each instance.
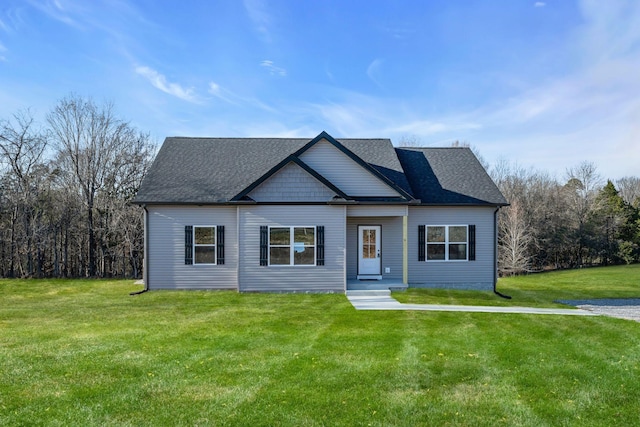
<point>272,138</point>
<point>432,148</point>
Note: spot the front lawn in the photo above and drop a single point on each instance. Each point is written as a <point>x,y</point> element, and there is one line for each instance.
<point>540,290</point>
<point>86,353</point>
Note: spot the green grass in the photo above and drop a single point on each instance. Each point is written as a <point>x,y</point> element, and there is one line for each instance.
<point>540,290</point>
<point>86,353</point>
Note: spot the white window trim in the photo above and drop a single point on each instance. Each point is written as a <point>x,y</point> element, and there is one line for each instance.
<point>445,243</point>
<point>215,247</point>
<point>291,246</point>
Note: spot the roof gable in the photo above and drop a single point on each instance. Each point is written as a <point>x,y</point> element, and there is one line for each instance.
<point>345,169</point>
<point>292,183</point>
<point>292,180</point>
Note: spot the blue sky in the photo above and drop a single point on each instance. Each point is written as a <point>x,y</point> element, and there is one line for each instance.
<point>546,84</point>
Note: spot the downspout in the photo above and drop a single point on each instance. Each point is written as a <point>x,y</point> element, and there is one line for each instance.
<point>145,265</point>
<point>495,255</point>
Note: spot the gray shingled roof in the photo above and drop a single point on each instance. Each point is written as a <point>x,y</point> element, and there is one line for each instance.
<point>214,170</point>
<point>448,176</point>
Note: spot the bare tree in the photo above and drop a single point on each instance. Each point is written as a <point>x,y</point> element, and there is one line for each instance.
<point>515,241</point>
<point>98,153</point>
<point>583,183</point>
<point>22,147</point>
<point>629,189</point>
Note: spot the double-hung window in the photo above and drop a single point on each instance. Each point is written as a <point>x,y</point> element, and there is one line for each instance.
<point>204,244</point>
<point>292,245</point>
<point>447,242</point>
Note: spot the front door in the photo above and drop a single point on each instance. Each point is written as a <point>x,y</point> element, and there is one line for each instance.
<point>369,252</point>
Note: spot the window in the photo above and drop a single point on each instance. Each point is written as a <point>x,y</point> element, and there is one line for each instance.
<point>204,245</point>
<point>447,242</point>
<point>292,245</point>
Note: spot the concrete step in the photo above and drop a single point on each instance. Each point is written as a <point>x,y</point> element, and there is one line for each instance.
<point>368,293</point>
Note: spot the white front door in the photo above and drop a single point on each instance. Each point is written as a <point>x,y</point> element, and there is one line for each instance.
<point>369,252</point>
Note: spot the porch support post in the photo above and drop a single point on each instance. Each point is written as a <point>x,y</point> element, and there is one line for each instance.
<point>405,251</point>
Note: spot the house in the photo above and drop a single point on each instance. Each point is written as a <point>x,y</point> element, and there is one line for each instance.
<point>318,215</point>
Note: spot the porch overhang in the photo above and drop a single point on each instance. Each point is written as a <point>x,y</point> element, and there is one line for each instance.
<point>377,210</point>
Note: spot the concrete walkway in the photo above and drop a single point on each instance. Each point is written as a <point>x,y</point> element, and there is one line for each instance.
<point>381,300</point>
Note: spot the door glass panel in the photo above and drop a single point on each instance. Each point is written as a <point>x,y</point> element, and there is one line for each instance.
<point>368,244</point>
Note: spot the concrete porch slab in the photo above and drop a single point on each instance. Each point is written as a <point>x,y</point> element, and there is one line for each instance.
<point>374,285</point>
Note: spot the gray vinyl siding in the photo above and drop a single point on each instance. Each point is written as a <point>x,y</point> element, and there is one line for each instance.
<point>327,278</point>
<point>391,245</point>
<point>166,250</point>
<point>291,183</point>
<point>344,172</point>
<point>476,274</point>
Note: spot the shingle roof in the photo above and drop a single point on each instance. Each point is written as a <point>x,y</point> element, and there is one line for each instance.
<point>214,170</point>
<point>448,176</point>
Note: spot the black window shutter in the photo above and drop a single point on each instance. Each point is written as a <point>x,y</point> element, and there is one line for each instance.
<point>421,243</point>
<point>188,244</point>
<point>264,245</point>
<point>320,245</point>
<point>220,244</point>
<point>472,243</point>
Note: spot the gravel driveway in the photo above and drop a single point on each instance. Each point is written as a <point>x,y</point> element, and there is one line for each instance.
<point>621,308</point>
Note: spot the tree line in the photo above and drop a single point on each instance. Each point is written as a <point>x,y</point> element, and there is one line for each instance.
<point>66,187</point>
<point>582,220</point>
<point>65,192</point>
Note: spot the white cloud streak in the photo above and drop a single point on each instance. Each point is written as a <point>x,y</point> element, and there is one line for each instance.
<point>58,10</point>
<point>159,81</point>
<point>373,70</point>
<point>257,11</point>
<point>273,70</point>
<point>234,99</point>
<point>3,26</point>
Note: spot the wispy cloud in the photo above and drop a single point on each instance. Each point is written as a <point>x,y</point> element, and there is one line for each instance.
<point>159,81</point>
<point>400,32</point>
<point>59,10</point>
<point>273,70</point>
<point>2,50</point>
<point>373,70</point>
<point>234,99</point>
<point>588,113</point>
<point>428,128</point>
<point>257,11</point>
<point>222,94</point>
<point>609,46</point>
<point>3,26</point>
<point>539,4</point>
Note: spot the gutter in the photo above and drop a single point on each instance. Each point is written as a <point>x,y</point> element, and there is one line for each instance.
<point>495,255</point>
<point>145,266</point>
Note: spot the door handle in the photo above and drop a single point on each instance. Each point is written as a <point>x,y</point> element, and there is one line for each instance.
<point>378,254</point>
